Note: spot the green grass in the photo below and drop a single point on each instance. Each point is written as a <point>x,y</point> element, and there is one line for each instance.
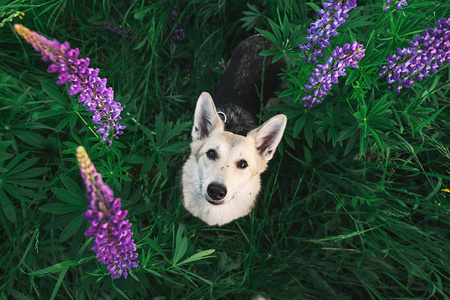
<point>353,204</point>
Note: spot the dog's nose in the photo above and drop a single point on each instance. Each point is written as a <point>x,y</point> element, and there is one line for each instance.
<point>216,191</point>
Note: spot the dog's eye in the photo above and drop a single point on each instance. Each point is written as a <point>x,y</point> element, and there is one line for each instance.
<point>242,164</point>
<point>211,154</point>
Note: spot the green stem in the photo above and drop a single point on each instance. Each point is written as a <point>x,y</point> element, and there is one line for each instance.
<point>85,123</point>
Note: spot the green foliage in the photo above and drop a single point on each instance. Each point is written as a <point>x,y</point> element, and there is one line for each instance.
<point>285,39</point>
<point>355,204</point>
<point>161,145</point>
<point>16,181</point>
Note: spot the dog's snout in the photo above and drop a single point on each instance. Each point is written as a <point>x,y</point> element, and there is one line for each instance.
<point>216,191</point>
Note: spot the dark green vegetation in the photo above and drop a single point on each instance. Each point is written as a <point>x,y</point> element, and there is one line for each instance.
<point>352,207</point>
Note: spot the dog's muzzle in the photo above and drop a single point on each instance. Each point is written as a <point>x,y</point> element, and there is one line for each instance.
<point>216,193</point>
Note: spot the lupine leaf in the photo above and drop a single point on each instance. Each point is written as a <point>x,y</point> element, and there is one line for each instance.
<point>55,268</point>
<point>181,244</point>
<point>51,90</point>
<point>71,229</point>
<point>68,196</point>
<point>7,207</point>
<point>198,256</point>
<point>58,208</point>
<point>27,173</point>
<point>13,162</point>
<point>71,185</point>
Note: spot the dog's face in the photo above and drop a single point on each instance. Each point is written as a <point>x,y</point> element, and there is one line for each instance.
<point>226,164</point>
<point>221,178</point>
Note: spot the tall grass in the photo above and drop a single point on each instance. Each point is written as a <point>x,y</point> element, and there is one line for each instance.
<point>354,204</point>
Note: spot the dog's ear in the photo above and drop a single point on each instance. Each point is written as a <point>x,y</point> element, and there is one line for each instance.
<point>269,135</point>
<point>205,118</point>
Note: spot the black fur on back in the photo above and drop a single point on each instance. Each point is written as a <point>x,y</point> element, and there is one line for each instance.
<point>238,93</point>
<point>237,119</point>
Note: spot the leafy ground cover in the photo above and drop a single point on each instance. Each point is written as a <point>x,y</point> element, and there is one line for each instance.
<point>354,204</point>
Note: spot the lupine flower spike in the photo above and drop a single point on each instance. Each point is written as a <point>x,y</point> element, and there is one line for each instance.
<point>398,4</point>
<point>111,232</point>
<point>325,75</point>
<point>333,15</point>
<point>425,54</point>
<point>178,34</point>
<point>120,30</point>
<point>84,80</point>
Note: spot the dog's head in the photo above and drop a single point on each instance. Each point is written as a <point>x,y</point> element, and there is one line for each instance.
<point>221,176</point>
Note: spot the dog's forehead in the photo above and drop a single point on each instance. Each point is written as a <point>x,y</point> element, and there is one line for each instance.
<point>235,140</point>
<point>228,142</point>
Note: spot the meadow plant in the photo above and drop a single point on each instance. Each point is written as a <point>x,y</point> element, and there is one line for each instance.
<point>113,244</point>
<point>178,35</point>
<point>398,4</point>
<point>355,205</point>
<point>333,15</point>
<point>84,80</point>
<point>425,54</point>
<point>128,33</point>
<point>325,75</point>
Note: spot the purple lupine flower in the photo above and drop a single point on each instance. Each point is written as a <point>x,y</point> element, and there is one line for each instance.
<point>325,75</point>
<point>398,4</point>
<point>178,35</point>
<point>112,235</point>
<point>333,15</point>
<point>84,80</point>
<point>424,55</point>
<point>120,31</point>
<point>174,15</point>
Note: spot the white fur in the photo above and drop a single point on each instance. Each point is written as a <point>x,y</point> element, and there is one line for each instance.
<point>243,185</point>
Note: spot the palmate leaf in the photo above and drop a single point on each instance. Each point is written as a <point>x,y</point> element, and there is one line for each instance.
<point>251,17</point>
<point>284,38</point>
<point>73,197</point>
<point>113,171</point>
<point>162,145</point>
<point>16,182</point>
<point>165,132</point>
<point>72,206</point>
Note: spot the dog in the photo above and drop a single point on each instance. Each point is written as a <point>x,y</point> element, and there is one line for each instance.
<point>221,178</point>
